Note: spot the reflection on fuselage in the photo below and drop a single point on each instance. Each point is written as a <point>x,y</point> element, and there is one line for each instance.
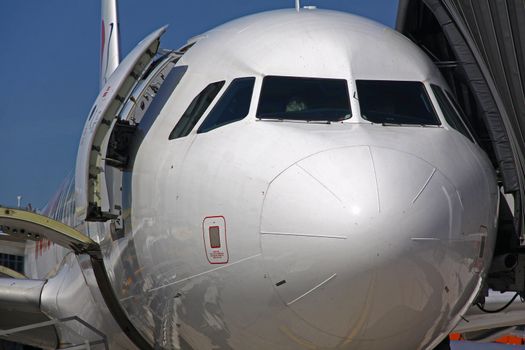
<point>280,220</point>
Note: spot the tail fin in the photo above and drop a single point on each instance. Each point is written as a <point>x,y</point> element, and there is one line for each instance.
<point>109,42</point>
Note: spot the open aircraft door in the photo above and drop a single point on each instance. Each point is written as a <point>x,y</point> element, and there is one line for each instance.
<point>105,144</point>
<point>103,157</point>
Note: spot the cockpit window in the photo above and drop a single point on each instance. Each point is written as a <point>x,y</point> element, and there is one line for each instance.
<point>395,102</point>
<point>310,99</point>
<point>450,113</point>
<point>462,117</point>
<point>195,110</point>
<point>233,105</point>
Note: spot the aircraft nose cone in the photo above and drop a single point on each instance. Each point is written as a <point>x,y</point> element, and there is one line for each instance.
<point>338,236</point>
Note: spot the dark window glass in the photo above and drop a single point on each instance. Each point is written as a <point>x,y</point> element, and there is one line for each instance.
<point>304,99</point>
<point>449,112</point>
<point>232,106</point>
<point>195,110</point>
<point>14,262</point>
<point>215,238</point>
<point>461,113</point>
<point>395,102</point>
<point>159,101</point>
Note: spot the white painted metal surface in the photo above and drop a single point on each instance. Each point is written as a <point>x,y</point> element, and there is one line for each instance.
<point>347,235</point>
<point>374,230</point>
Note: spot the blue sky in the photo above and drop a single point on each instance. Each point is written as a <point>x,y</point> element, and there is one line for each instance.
<point>49,68</point>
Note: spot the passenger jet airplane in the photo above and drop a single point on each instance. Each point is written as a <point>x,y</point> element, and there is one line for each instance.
<point>294,179</point>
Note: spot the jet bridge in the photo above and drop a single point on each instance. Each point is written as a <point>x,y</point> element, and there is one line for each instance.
<point>22,298</point>
<point>479,47</point>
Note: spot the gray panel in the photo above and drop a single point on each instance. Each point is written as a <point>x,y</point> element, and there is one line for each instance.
<point>20,306</point>
<point>472,74</point>
<point>21,295</point>
<point>498,27</point>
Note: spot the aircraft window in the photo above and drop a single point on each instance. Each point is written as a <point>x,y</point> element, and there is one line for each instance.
<point>233,105</point>
<point>451,114</point>
<point>395,102</point>
<point>195,110</point>
<point>311,99</point>
<point>14,262</point>
<point>463,118</point>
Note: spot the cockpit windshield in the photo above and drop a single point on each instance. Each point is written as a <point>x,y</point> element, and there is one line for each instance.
<point>395,102</point>
<point>310,99</point>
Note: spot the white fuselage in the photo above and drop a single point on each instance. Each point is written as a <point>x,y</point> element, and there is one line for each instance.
<point>346,235</point>
<point>309,204</point>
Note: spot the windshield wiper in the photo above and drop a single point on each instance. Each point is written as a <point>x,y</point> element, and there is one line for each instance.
<point>284,119</point>
<point>410,124</point>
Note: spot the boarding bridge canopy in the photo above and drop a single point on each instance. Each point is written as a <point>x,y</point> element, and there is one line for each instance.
<point>479,45</point>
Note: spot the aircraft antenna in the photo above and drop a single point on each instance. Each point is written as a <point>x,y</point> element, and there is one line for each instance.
<point>297,5</point>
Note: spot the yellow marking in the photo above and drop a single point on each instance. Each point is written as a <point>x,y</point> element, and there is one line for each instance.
<point>80,211</point>
<point>302,342</point>
<point>34,226</point>
<point>126,213</point>
<point>364,313</point>
<point>128,282</point>
<point>11,273</point>
<point>139,271</point>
